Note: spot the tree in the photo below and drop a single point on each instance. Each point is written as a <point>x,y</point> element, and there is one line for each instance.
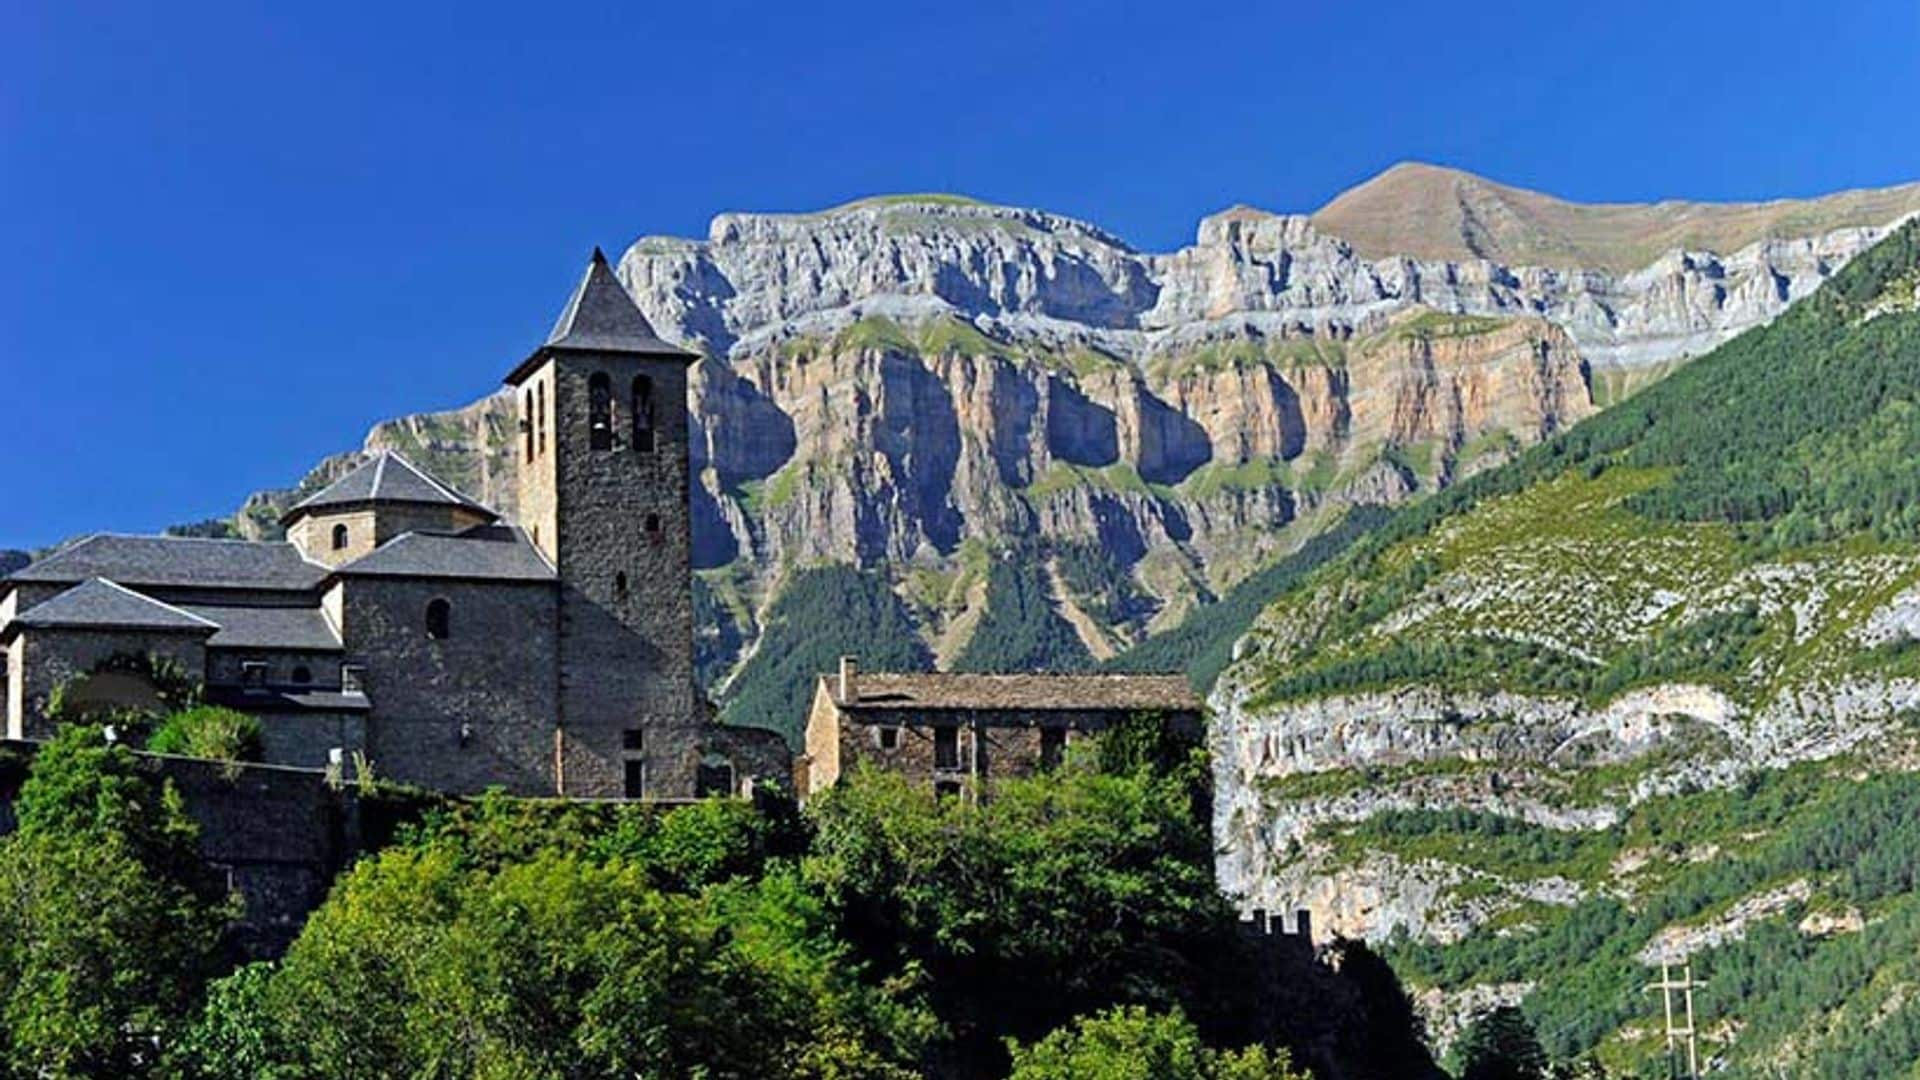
<point>109,925</point>
<point>1501,1044</point>
<point>1131,1043</point>
<point>561,965</point>
<point>1056,896</point>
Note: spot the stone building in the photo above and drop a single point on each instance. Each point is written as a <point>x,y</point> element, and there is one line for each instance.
<point>945,730</point>
<point>401,620</point>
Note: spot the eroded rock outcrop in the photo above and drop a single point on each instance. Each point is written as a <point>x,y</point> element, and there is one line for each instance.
<point>888,379</point>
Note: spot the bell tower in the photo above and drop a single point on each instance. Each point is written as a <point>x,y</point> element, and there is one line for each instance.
<point>603,461</point>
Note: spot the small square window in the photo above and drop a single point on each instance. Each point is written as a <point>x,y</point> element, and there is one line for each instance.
<point>889,737</point>
<point>253,673</point>
<point>633,739</point>
<point>353,679</point>
<point>946,789</point>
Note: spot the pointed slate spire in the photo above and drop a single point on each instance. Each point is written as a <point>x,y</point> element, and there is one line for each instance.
<point>601,317</point>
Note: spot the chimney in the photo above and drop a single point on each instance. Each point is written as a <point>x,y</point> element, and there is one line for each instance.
<point>849,680</point>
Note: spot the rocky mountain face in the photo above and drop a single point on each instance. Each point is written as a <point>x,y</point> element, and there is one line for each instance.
<point>1645,692</point>
<point>897,381</point>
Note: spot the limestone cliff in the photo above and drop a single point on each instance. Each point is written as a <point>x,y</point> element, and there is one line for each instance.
<point>1644,694</point>
<point>891,379</point>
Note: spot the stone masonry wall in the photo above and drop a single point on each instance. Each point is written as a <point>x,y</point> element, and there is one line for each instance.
<point>994,744</point>
<point>369,527</point>
<point>624,543</point>
<point>322,668</point>
<point>279,835</point>
<point>47,657</point>
<point>474,710</point>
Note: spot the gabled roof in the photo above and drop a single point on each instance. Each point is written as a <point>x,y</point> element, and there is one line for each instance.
<point>386,477</point>
<point>98,604</point>
<point>179,562</point>
<point>601,317</point>
<point>933,691</point>
<point>484,552</point>
<point>246,627</point>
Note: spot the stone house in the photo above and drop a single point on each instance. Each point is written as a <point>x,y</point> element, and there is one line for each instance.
<point>946,730</point>
<point>402,620</point>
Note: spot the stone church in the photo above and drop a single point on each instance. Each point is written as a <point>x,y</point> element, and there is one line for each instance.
<point>404,622</point>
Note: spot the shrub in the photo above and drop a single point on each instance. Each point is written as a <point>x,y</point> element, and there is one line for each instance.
<point>208,731</point>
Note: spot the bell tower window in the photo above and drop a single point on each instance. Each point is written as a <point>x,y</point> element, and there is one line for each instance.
<point>339,537</point>
<point>643,415</point>
<point>540,417</point>
<point>600,412</point>
<point>439,619</point>
<point>526,422</point>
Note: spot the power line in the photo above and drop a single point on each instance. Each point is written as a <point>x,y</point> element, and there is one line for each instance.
<point>1686,985</point>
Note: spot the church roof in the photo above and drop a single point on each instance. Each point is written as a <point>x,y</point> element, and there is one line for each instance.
<point>98,604</point>
<point>483,553</point>
<point>179,562</point>
<point>601,317</point>
<point>302,629</point>
<point>386,477</point>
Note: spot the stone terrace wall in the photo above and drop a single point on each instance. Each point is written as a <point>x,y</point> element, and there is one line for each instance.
<point>280,834</point>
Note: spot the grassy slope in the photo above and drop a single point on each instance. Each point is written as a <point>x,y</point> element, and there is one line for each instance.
<point>1781,473</point>
<point>1733,525</point>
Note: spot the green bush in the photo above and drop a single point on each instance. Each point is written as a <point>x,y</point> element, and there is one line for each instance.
<point>1133,1044</point>
<point>208,731</point>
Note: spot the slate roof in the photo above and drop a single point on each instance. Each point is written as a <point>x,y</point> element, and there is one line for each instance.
<point>181,562</point>
<point>1077,693</point>
<point>386,477</point>
<point>484,552</point>
<point>102,605</point>
<point>275,699</point>
<point>601,317</point>
<point>293,628</point>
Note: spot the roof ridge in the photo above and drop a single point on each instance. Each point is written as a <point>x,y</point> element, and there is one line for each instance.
<point>143,596</point>
<point>437,484</point>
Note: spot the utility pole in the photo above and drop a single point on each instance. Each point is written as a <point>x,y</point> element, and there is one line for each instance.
<point>1686,986</point>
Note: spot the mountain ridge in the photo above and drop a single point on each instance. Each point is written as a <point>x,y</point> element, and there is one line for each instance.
<point>1436,212</point>
<point>897,385</point>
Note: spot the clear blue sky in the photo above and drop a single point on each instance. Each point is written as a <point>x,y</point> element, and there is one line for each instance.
<point>236,236</point>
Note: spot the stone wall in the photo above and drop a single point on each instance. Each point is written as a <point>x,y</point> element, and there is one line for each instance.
<point>370,526</point>
<point>756,756</point>
<point>307,739</point>
<point>623,540</point>
<point>471,711</point>
<point>322,668</point>
<point>46,657</point>
<point>820,767</point>
<point>313,535</point>
<point>990,745</point>
<point>278,834</point>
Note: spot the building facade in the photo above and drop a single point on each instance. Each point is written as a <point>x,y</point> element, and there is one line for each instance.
<point>951,731</point>
<point>402,623</point>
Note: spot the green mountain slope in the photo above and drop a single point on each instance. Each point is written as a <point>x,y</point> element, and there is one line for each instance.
<point>1646,691</point>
